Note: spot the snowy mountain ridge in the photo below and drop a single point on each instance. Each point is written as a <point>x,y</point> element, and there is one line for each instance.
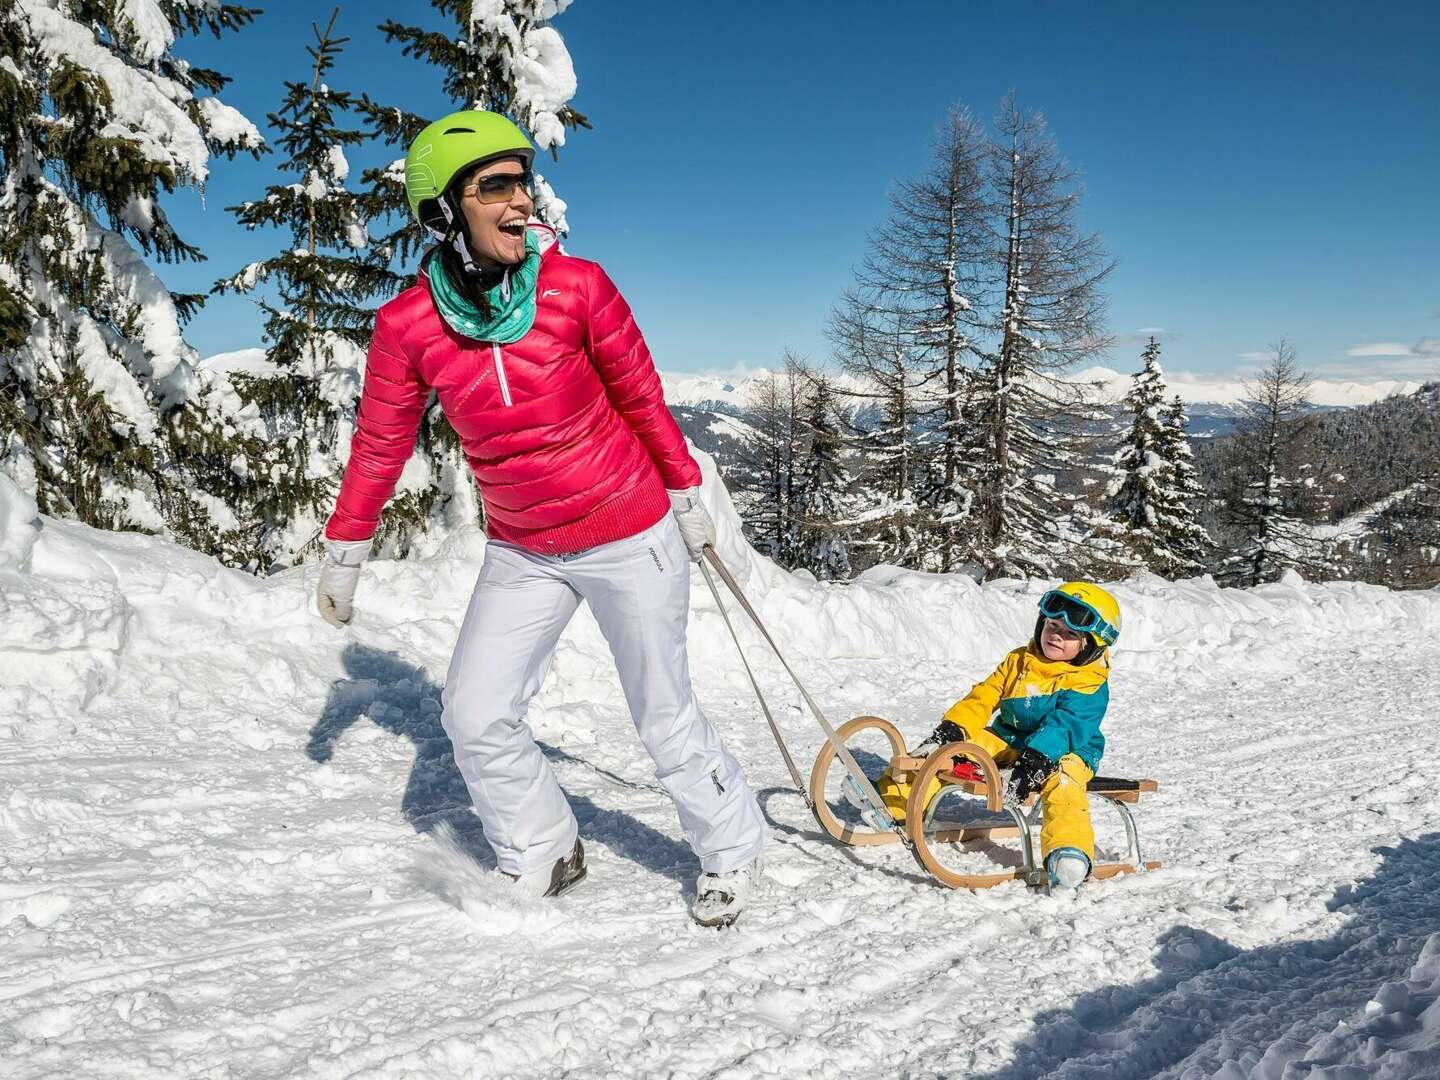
<point>731,388</point>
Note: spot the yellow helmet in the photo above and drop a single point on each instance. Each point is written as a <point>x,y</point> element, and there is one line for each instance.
<point>1086,608</point>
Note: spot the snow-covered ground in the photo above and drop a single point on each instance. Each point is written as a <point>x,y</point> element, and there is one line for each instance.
<point>233,842</point>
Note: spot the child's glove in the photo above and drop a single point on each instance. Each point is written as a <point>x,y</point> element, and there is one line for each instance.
<point>1031,770</point>
<point>947,731</point>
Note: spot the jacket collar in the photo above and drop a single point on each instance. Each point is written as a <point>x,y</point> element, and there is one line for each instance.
<point>1100,665</point>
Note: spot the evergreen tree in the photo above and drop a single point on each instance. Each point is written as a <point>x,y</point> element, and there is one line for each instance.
<point>772,454</point>
<point>1147,512</point>
<point>891,524</point>
<point>103,415</point>
<point>1190,545</point>
<point>825,486</point>
<point>1047,277</point>
<point>500,55</point>
<point>1402,547</point>
<point>1263,505</point>
<point>317,330</point>
<point>922,272</point>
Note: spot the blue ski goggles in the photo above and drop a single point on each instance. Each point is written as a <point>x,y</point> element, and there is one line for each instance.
<point>1077,615</point>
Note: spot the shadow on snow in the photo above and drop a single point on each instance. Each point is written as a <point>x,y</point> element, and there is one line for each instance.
<point>1212,1004</point>
<point>405,702</point>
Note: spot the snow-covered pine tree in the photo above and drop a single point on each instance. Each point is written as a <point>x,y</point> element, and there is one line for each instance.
<point>102,413</point>
<point>500,55</point>
<point>297,428</point>
<point>1190,544</point>
<point>1402,547</point>
<point>1147,511</point>
<point>1266,536</point>
<point>1046,276</point>
<point>825,485</point>
<point>772,454</point>
<point>871,343</point>
<point>922,269</point>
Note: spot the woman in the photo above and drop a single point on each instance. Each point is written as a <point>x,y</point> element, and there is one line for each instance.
<point>590,494</point>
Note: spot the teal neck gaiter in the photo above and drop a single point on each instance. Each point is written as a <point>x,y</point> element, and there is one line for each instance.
<point>512,302</point>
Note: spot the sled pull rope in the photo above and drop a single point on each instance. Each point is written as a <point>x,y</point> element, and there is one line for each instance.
<point>764,706</point>
<point>862,781</point>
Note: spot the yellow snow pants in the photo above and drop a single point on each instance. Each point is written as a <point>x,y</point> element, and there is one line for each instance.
<point>1064,809</point>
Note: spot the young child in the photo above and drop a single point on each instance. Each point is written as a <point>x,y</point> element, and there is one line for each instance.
<point>1040,713</point>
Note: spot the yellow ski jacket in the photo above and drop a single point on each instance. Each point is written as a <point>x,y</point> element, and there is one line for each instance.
<point>1050,706</point>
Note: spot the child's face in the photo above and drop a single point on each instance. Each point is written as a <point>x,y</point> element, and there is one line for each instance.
<point>1059,642</point>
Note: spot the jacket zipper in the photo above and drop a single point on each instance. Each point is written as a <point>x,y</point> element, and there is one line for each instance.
<point>500,373</point>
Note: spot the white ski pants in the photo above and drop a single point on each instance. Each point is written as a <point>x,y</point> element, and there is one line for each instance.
<point>639,592</point>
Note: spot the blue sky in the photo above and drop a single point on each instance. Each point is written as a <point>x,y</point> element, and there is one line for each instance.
<point>1259,170</point>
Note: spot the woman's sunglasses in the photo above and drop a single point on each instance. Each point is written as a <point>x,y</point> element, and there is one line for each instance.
<point>500,187</point>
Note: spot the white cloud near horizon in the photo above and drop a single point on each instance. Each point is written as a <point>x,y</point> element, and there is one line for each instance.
<point>1423,347</point>
<point>1142,336</point>
<point>1380,348</point>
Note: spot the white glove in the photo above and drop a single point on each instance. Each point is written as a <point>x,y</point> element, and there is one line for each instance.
<point>335,595</point>
<point>696,526</point>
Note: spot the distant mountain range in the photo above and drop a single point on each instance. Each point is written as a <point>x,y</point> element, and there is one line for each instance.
<point>712,409</point>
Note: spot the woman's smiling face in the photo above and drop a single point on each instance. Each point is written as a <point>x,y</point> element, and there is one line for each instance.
<point>497,229</point>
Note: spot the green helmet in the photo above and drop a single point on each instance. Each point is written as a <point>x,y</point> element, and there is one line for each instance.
<point>450,147</point>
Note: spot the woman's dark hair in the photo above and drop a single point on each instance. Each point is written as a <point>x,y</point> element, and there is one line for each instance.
<point>473,287</point>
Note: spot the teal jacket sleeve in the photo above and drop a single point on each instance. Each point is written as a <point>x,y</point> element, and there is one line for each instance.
<point>1074,725</point>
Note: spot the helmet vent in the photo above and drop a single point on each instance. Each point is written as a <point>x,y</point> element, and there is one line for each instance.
<point>459,131</point>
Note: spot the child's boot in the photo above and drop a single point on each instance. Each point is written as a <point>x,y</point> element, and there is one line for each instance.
<point>1068,867</point>
<point>856,798</point>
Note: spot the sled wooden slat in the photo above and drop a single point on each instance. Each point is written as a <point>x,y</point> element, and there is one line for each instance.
<point>941,832</point>
<point>1109,787</point>
<point>1101,871</point>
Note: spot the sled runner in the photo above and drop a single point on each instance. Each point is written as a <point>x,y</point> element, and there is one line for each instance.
<point>926,831</point>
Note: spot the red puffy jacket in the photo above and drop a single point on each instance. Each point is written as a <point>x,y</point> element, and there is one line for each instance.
<point>566,429</point>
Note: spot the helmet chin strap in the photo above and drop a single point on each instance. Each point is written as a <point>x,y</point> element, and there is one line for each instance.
<point>456,235</point>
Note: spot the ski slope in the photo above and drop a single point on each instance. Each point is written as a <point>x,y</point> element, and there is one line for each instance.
<point>233,842</point>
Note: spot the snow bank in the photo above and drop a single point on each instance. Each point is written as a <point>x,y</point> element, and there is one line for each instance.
<point>74,597</point>
<point>885,613</point>
<point>19,525</point>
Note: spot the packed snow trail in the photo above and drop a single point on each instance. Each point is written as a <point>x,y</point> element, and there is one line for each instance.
<point>233,841</point>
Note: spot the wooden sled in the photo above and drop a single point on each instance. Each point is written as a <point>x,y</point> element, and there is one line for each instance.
<point>925,832</point>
